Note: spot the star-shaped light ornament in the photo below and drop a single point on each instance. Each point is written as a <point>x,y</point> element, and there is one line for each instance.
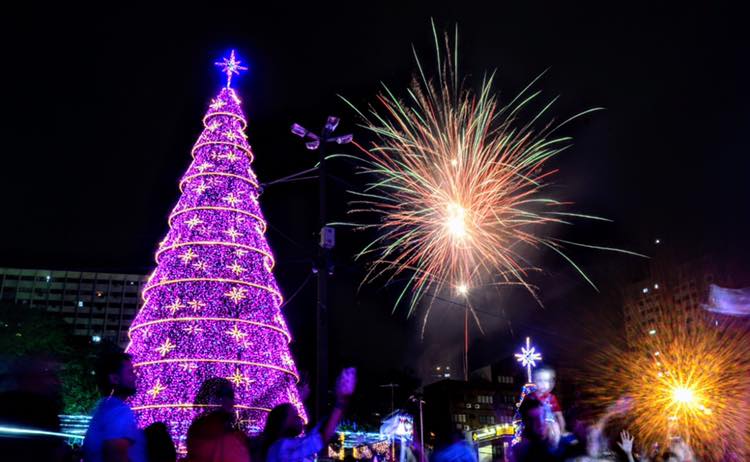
<point>233,233</point>
<point>188,367</point>
<point>231,66</point>
<point>187,256</point>
<point>238,378</point>
<point>175,306</point>
<point>528,357</point>
<point>192,330</point>
<point>201,188</point>
<point>204,166</point>
<point>200,266</point>
<point>156,389</point>
<point>193,222</point>
<point>166,347</point>
<point>236,268</point>
<point>196,304</point>
<point>236,294</point>
<point>213,126</point>
<point>236,333</point>
<point>287,360</point>
<point>231,199</point>
<point>230,156</point>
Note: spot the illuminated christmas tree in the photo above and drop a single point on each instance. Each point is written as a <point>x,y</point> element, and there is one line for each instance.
<point>212,306</point>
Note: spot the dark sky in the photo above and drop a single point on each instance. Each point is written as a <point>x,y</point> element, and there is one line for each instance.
<point>102,108</point>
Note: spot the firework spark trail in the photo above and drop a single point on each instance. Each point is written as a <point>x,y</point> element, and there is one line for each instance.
<point>688,377</point>
<point>459,186</point>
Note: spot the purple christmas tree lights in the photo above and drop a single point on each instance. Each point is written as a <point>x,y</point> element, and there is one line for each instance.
<point>212,305</point>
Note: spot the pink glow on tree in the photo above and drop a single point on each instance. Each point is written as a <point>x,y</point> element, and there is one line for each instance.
<point>212,305</point>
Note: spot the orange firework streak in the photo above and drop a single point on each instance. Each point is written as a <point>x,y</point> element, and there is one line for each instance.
<point>688,376</point>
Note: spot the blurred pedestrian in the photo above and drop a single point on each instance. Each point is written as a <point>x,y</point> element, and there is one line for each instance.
<point>213,436</point>
<point>159,445</point>
<point>281,437</point>
<point>113,435</point>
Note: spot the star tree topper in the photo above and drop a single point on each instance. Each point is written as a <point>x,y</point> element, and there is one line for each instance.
<point>230,66</point>
<point>528,357</point>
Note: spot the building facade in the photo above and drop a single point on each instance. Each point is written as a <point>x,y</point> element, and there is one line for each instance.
<point>96,305</point>
<point>480,409</point>
<point>670,287</point>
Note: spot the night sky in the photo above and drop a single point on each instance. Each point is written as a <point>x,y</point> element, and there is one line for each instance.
<point>102,108</point>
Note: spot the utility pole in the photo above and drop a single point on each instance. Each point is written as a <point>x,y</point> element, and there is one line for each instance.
<point>392,386</point>
<point>418,399</point>
<point>463,291</point>
<point>466,343</point>
<point>324,266</point>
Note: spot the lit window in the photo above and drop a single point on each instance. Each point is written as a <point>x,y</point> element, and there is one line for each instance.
<point>80,303</point>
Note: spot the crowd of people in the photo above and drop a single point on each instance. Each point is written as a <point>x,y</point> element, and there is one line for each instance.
<point>545,438</point>
<point>214,436</point>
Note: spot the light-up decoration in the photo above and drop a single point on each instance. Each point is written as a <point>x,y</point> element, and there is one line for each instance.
<point>212,306</point>
<point>230,66</point>
<point>528,358</point>
<point>398,425</point>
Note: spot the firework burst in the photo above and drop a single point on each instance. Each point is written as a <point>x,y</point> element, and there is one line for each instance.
<point>687,377</point>
<point>459,185</point>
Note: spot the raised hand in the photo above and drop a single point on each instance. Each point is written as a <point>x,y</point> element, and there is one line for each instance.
<point>626,442</point>
<point>346,383</point>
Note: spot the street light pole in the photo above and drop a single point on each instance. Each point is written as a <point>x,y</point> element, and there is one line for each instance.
<point>323,268</point>
<point>420,401</point>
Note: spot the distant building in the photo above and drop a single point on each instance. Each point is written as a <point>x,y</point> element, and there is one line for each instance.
<point>670,285</point>
<point>96,305</point>
<point>482,409</point>
<point>438,373</point>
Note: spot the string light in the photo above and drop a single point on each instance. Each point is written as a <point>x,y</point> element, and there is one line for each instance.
<point>219,208</point>
<point>250,181</point>
<point>213,319</point>
<point>218,361</point>
<point>247,151</point>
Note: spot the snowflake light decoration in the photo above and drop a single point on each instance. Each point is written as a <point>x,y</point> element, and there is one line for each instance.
<point>528,357</point>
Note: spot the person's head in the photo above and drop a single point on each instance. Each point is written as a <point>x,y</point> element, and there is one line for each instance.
<point>544,379</point>
<point>532,416</point>
<point>159,445</point>
<point>115,375</point>
<point>681,449</point>
<point>283,422</point>
<point>216,392</point>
